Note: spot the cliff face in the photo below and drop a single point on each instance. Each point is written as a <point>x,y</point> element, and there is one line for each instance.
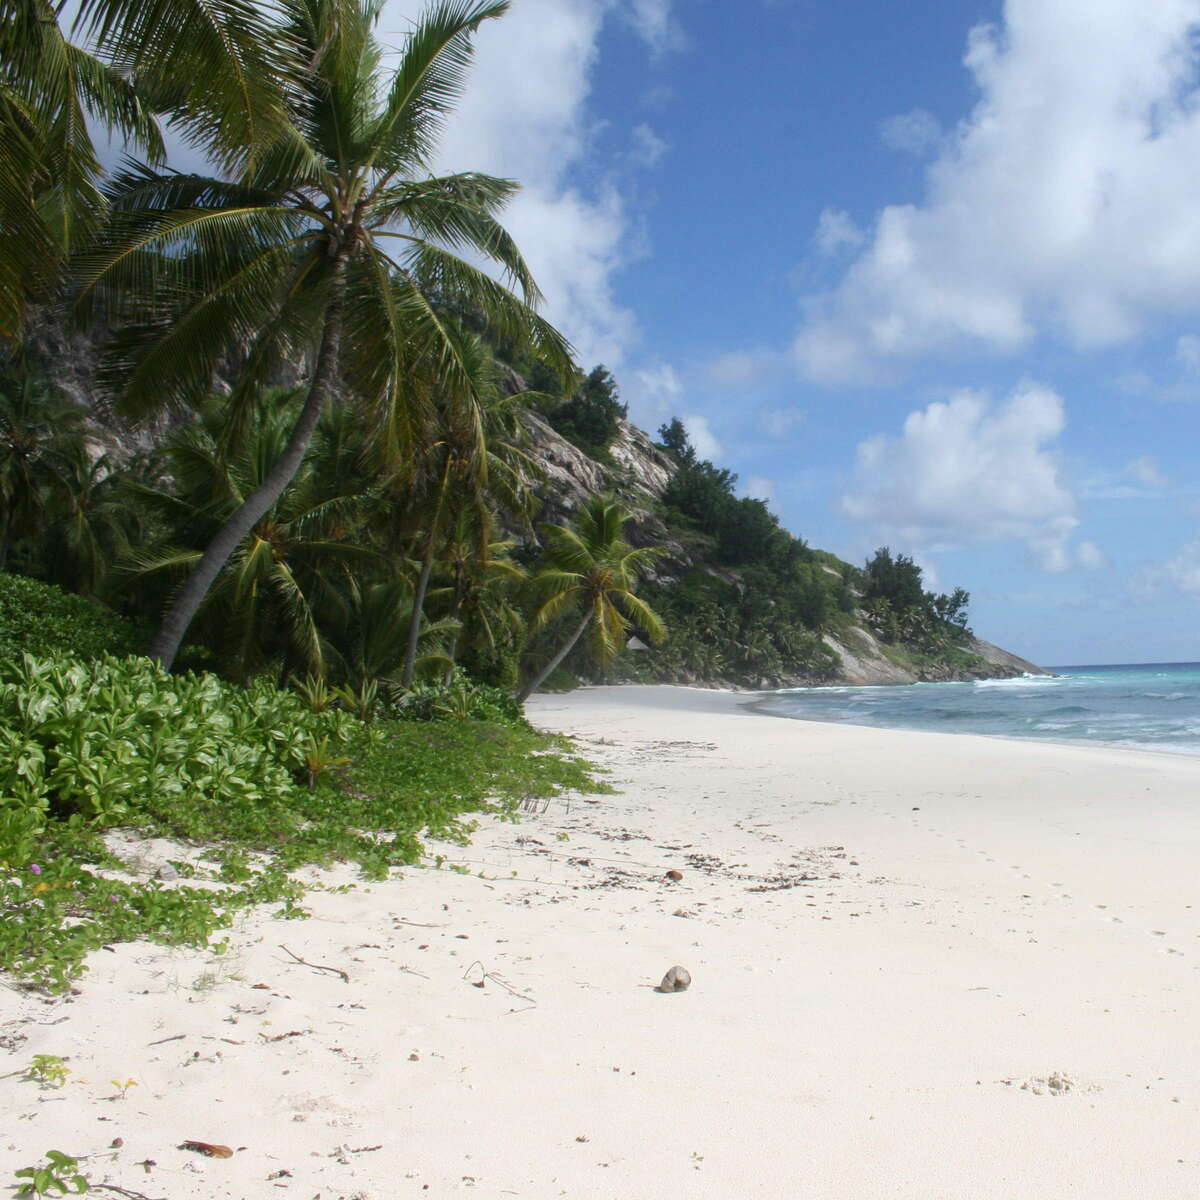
<point>638,473</point>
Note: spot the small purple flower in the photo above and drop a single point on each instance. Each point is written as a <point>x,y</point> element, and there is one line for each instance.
<point>35,869</point>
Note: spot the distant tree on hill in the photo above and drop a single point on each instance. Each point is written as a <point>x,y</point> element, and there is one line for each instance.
<point>673,438</point>
<point>896,580</point>
<point>591,417</point>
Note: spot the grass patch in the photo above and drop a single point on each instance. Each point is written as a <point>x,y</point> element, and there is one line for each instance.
<point>63,895</point>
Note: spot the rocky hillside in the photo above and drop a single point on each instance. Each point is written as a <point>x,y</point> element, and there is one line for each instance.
<point>638,471</point>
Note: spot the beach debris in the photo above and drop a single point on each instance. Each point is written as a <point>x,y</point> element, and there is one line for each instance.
<point>677,979</point>
<point>674,876</point>
<point>485,975</point>
<point>317,966</point>
<point>208,1149</point>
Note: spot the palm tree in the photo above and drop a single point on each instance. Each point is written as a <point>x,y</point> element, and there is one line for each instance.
<point>471,464</point>
<point>39,434</point>
<point>205,63</point>
<point>481,593</point>
<point>285,590</point>
<point>272,262</point>
<point>591,569</point>
<point>92,523</point>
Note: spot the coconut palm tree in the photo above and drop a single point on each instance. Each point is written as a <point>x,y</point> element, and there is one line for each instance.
<point>205,64</point>
<point>39,434</point>
<point>337,226</point>
<point>284,591</point>
<point>591,570</point>
<point>470,464</point>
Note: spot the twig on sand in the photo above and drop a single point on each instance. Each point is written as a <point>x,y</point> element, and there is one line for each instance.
<point>317,966</point>
<point>120,1191</point>
<point>161,1041</point>
<point>512,991</point>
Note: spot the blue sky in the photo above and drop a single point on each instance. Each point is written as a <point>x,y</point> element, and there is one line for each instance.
<point>923,275</point>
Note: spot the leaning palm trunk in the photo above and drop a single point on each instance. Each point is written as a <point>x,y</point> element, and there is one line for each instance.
<point>187,602</point>
<point>418,609</point>
<point>414,625</point>
<point>541,678</point>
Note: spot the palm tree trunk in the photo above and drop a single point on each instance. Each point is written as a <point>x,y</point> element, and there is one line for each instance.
<point>186,604</point>
<point>414,625</point>
<point>7,540</point>
<point>418,609</point>
<point>530,688</point>
<point>457,644</point>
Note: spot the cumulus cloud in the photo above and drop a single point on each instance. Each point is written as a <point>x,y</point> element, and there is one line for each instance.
<point>647,146</point>
<point>916,132</point>
<point>1146,472</point>
<point>759,487</point>
<point>778,421</point>
<point>739,368</point>
<point>524,116</point>
<point>836,231</point>
<point>653,394</point>
<point>1067,201</point>
<point>966,472</point>
<point>703,440</point>
<point>656,24</point>
<point>1180,573</point>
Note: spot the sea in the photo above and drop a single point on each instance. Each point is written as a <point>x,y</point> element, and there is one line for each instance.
<point>1144,706</point>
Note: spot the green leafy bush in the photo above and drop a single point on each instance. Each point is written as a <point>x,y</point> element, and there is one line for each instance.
<point>266,782</point>
<point>121,740</point>
<point>462,699</point>
<point>39,618</point>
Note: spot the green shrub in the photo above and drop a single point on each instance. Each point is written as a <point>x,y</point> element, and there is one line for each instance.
<point>39,618</point>
<point>269,784</point>
<point>462,699</point>
<point>120,740</point>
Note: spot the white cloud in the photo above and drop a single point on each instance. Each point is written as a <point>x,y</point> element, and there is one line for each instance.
<point>759,487</point>
<point>648,147</point>
<point>1145,471</point>
<point>1091,557</point>
<point>703,440</point>
<point>740,368</point>
<point>915,132</point>
<point>778,421</point>
<point>1180,573</point>
<point>524,116</point>
<point>656,24</point>
<point>653,394</point>
<point>1187,352</point>
<point>836,230</point>
<point>964,472</point>
<point>1067,201</point>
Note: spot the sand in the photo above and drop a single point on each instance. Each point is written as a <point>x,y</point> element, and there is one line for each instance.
<point>922,966</point>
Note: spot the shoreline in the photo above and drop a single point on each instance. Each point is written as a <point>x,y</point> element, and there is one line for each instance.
<point>924,966</point>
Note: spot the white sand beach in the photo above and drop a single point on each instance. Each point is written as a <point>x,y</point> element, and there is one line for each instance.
<point>924,966</point>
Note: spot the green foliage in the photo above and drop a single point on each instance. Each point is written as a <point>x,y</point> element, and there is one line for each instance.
<point>57,1176</point>
<point>48,1069</point>
<point>590,568</point>
<point>901,612</point>
<point>896,580</point>
<point>462,699</point>
<point>40,618</point>
<point>110,738</point>
<point>591,417</point>
<point>268,783</point>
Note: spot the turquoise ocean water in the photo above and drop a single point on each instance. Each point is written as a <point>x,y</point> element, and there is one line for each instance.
<point>1147,706</point>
